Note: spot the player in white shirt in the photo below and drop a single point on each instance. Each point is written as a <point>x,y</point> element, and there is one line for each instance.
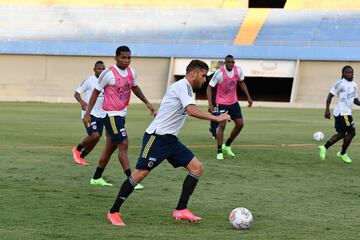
<point>95,129</point>
<point>160,142</point>
<point>346,91</point>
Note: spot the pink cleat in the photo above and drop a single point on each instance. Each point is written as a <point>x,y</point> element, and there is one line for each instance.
<point>78,160</point>
<point>115,219</point>
<point>185,214</point>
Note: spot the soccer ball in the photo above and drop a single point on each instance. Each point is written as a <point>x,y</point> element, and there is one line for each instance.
<point>318,136</point>
<point>241,218</point>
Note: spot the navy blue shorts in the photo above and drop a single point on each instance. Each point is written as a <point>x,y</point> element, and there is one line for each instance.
<point>344,124</point>
<point>115,126</point>
<point>96,125</point>
<point>156,148</point>
<point>234,110</point>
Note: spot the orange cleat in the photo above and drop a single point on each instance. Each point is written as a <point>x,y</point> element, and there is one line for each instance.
<point>185,214</point>
<point>78,160</point>
<point>115,219</point>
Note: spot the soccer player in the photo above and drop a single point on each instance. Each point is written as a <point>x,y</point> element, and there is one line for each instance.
<point>214,125</point>
<point>95,129</point>
<point>117,82</point>
<point>226,79</point>
<point>160,142</point>
<point>346,91</point>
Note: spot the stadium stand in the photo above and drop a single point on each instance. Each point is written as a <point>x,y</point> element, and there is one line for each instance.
<point>59,30</point>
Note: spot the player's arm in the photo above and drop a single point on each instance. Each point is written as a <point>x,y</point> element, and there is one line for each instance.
<point>193,111</point>
<point>90,106</point>
<point>209,91</point>
<point>244,89</point>
<point>137,91</point>
<point>78,98</point>
<point>327,107</point>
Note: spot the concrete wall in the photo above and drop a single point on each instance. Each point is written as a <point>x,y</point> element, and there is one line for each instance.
<point>55,78</point>
<point>316,78</point>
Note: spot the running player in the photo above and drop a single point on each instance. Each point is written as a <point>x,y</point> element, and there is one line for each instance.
<point>346,91</point>
<point>95,129</point>
<point>160,142</point>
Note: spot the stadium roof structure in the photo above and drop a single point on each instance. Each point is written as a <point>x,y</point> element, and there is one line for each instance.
<point>289,34</point>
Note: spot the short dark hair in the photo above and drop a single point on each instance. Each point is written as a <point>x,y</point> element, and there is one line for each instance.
<point>229,56</point>
<point>98,62</point>
<point>122,49</point>
<point>196,64</point>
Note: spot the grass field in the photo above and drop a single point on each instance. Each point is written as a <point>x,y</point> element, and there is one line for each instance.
<point>276,174</point>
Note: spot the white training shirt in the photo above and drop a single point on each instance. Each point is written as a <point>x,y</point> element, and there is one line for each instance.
<point>218,76</point>
<point>346,91</point>
<point>172,113</point>
<point>107,78</point>
<point>88,86</point>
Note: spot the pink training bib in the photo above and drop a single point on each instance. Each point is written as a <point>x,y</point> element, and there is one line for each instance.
<point>226,90</point>
<point>117,96</point>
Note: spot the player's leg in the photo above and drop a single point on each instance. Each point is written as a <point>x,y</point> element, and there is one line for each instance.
<point>347,139</point>
<point>236,115</point>
<point>124,160</point>
<point>182,212</point>
<point>220,133</point>
<point>181,156</point>
<point>108,150</point>
<point>149,158</point>
<point>94,132</point>
<point>214,125</point>
<point>340,134</point>
<point>114,216</point>
<point>94,138</point>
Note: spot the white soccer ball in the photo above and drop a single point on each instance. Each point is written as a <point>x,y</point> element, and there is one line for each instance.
<point>318,136</point>
<point>241,218</point>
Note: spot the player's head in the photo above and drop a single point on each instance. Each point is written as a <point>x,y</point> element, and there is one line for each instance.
<point>229,62</point>
<point>347,73</point>
<point>99,67</point>
<point>196,73</point>
<point>123,57</point>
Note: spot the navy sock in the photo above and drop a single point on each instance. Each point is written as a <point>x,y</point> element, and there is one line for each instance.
<point>219,148</point>
<point>229,141</point>
<point>83,154</point>
<point>189,185</point>
<point>98,172</point>
<point>79,147</point>
<point>125,190</point>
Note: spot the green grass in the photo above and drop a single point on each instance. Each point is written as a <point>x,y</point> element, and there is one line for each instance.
<point>291,194</point>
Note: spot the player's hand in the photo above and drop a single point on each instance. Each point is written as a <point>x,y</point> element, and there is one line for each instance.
<point>87,120</point>
<point>211,109</point>
<point>327,114</point>
<point>153,112</point>
<point>250,101</point>
<point>83,105</point>
<point>224,117</point>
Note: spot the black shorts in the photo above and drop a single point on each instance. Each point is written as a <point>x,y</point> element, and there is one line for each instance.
<point>234,110</point>
<point>344,124</point>
<point>115,126</point>
<point>96,125</point>
<point>156,148</point>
